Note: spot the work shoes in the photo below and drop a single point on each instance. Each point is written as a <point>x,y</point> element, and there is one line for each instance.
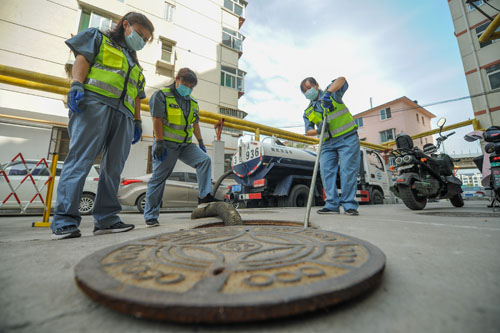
<point>68,231</point>
<point>117,227</point>
<point>152,223</point>
<point>328,211</point>
<point>206,200</point>
<point>351,212</point>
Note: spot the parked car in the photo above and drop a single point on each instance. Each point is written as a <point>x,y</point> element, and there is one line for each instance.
<point>16,172</point>
<point>181,191</point>
<point>470,192</point>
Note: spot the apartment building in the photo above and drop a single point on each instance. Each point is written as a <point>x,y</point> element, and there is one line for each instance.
<point>200,34</point>
<point>481,61</point>
<point>383,123</point>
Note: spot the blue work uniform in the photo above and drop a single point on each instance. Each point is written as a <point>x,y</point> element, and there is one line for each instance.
<point>188,153</point>
<point>343,150</point>
<point>105,125</point>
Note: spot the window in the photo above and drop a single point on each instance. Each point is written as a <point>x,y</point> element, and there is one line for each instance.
<point>90,19</point>
<point>387,135</point>
<point>232,78</point>
<point>177,176</point>
<point>479,32</point>
<point>375,160</point>
<point>166,52</point>
<point>168,14</point>
<point>423,120</point>
<point>359,122</point>
<point>232,38</point>
<point>385,114</point>
<point>493,74</point>
<point>426,140</point>
<point>235,6</point>
<point>192,177</point>
<point>421,141</point>
<point>417,117</point>
<point>478,3</point>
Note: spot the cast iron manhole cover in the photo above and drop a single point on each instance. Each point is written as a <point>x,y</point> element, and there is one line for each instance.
<point>230,274</point>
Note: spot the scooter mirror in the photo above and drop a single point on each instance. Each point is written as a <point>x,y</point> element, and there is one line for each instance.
<point>441,122</point>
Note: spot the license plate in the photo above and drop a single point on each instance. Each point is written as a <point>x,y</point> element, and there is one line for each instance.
<point>404,167</point>
<point>236,188</point>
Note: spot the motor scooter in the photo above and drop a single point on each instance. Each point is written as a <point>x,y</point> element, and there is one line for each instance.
<point>489,162</point>
<point>425,175</point>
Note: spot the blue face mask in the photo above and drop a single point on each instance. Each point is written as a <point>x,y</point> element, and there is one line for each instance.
<point>134,40</point>
<point>311,94</point>
<point>183,90</point>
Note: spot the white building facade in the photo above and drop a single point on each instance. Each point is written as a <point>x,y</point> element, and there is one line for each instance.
<point>481,60</point>
<point>200,34</point>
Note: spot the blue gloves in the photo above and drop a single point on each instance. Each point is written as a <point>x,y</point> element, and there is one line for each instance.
<point>137,131</point>
<point>326,100</point>
<point>160,152</point>
<point>75,95</point>
<point>202,146</point>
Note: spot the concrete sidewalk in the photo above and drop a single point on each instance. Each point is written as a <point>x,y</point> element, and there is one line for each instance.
<point>442,274</point>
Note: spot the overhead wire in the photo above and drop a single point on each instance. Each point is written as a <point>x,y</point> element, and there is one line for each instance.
<point>420,106</point>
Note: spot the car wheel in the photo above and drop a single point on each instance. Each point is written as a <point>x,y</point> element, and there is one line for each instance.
<point>86,204</point>
<point>141,203</point>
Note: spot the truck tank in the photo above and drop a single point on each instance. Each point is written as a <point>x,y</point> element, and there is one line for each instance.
<point>271,159</point>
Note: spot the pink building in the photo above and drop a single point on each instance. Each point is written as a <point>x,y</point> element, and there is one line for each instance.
<point>384,122</point>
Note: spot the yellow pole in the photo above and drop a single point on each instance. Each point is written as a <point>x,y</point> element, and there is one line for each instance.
<point>48,197</point>
<point>257,134</point>
<point>489,34</point>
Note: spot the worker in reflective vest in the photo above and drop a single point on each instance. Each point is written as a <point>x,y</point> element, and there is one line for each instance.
<point>340,151</point>
<point>104,102</point>
<point>175,120</point>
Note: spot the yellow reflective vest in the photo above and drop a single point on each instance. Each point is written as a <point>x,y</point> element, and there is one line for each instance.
<point>339,119</point>
<point>176,126</point>
<point>112,76</point>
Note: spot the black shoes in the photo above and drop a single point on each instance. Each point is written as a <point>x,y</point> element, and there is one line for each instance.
<point>206,200</point>
<point>117,227</point>
<point>351,212</point>
<point>68,231</point>
<point>152,223</point>
<point>328,211</point>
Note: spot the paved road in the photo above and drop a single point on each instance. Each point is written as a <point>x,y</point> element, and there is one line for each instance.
<point>442,274</point>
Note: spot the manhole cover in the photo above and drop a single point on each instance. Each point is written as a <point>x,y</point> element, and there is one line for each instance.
<point>463,214</point>
<point>230,274</point>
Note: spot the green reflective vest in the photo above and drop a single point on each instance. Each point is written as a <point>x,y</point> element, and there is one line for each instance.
<point>340,120</point>
<point>176,126</point>
<point>110,75</point>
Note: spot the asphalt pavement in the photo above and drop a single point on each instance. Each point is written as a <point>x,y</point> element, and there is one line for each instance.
<point>442,273</point>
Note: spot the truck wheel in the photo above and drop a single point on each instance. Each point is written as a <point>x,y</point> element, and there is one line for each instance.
<point>410,198</point>
<point>298,196</point>
<point>377,197</point>
<point>86,203</point>
<point>457,200</point>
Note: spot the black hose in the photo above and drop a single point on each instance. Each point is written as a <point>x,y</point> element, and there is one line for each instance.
<point>219,181</point>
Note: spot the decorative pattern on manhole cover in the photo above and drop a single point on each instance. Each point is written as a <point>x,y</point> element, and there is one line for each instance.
<point>230,274</point>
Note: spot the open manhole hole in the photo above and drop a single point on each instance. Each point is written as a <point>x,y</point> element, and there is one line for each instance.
<point>230,274</point>
<point>257,222</point>
<point>462,214</point>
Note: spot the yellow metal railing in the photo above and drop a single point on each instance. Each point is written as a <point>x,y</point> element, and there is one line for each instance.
<point>53,84</point>
<point>489,34</point>
<point>474,122</point>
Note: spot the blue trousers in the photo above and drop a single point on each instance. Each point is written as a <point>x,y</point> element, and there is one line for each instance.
<point>188,153</point>
<point>98,127</point>
<point>344,150</point>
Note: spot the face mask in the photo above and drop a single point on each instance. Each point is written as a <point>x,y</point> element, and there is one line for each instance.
<point>134,40</point>
<point>183,90</point>
<point>311,94</point>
